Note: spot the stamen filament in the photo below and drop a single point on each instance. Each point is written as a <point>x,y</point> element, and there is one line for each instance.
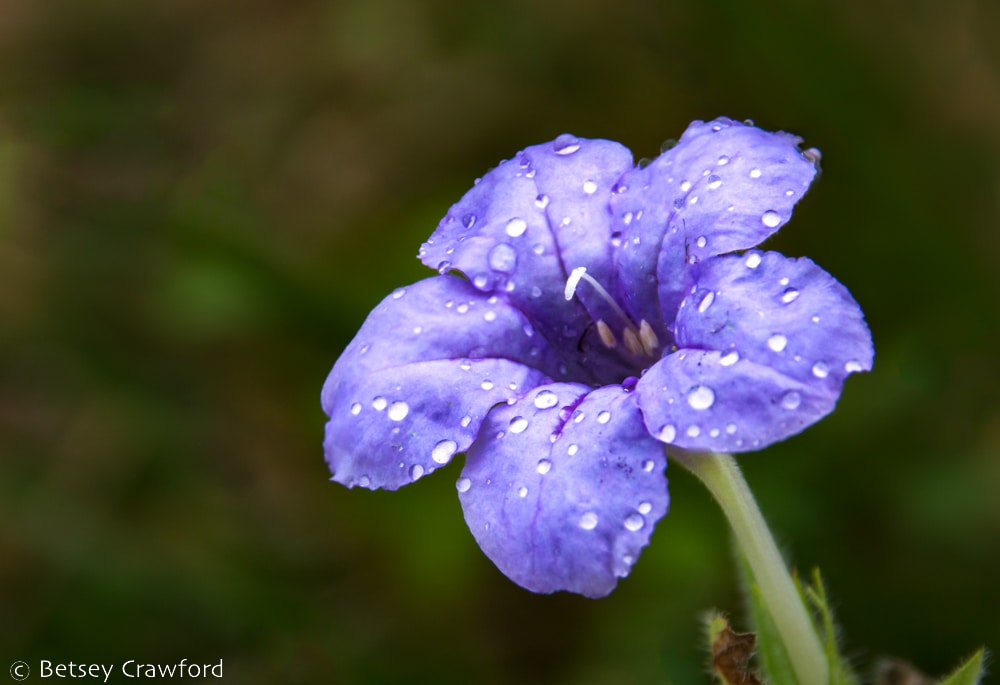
<point>580,273</point>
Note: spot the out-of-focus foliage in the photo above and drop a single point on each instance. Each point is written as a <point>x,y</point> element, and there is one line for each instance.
<point>199,202</point>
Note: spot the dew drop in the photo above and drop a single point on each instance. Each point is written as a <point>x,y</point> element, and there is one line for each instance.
<point>588,521</point>
<point>462,308</point>
<point>693,431</point>
<point>853,366</point>
<point>516,227</point>
<point>463,484</point>
<point>777,342</point>
<point>444,451</point>
<point>700,397</point>
<point>685,186</point>
<point>536,292</point>
<point>356,408</point>
<point>706,302</point>
<point>565,145</point>
<point>416,471</point>
<point>466,420</point>
<point>702,241</point>
<point>589,187</point>
<point>604,417</point>
<point>522,492</point>
<point>518,424</point>
<point>503,258</point>
<point>544,466</point>
<point>398,293</point>
<point>821,370</point>
<point>667,434</point>
<point>364,481</point>
<point>753,260</point>
<point>731,428</point>
<point>542,201</point>
<point>379,403</point>
<point>486,385</point>
<point>723,160</point>
<point>398,411</point>
<point>789,295</point>
<point>634,522</point>
<point>791,400</point>
<point>546,399</point>
<point>490,316</point>
<point>469,220</point>
<point>648,466</point>
<point>538,249</point>
<point>730,359</point>
<point>714,182</point>
<point>573,449</point>
<point>770,218</point>
<point>755,173</point>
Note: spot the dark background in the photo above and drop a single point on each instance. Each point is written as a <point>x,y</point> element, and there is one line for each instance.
<point>200,201</point>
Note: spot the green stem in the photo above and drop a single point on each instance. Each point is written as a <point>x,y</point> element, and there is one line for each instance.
<point>722,477</point>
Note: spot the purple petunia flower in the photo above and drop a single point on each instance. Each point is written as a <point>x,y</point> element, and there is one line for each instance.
<point>588,311</point>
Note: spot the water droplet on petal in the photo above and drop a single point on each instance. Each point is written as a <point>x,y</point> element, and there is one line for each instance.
<point>503,258</point>
<point>700,397</point>
<point>486,385</point>
<point>416,471</point>
<point>648,465</point>
<point>730,358</point>
<point>516,227</point>
<point>364,481</point>
<point>588,521</point>
<point>634,522</point>
<point>693,431</point>
<point>821,369</point>
<point>356,408</point>
<point>753,260</point>
<point>853,366</point>
<point>463,484</point>
<point>522,492</point>
<point>755,173</point>
<point>731,428</point>
<point>544,466</point>
<point>536,292</point>
<point>645,507</point>
<point>518,424</point>
<point>667,434</point>
<point>777,342</point>
<point>702,241</point>
<point>565,145</point>
<point>589,187</point>
<point>685,186</point>
<point>398,411</point>
<point>379,403</point>
<point>714,182</point>
<point>466,420</point>
<point>490,316</point>
<point>398,293</point>
<point>791,400</point>
<point>604,417</point>
<point>706,302</point>
<point>542,201</point>
<point>469,220</point>
<point>444,451</point>
<point>789,295</point>
<point>546,399</point>
<point>723,160</point>
<point>573,449</point>
<point>770,218</point>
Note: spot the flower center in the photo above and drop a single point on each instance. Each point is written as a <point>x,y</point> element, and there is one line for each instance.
<point>639,340</point>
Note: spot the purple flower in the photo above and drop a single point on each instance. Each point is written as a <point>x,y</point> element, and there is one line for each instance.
<point>587,312</point>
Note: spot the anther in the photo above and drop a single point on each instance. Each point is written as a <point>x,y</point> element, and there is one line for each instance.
<point>607,336</point>
<point>632,342</point>
<point>648,337</point>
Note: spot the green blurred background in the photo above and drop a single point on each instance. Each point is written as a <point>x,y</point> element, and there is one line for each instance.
<point>200,201</point>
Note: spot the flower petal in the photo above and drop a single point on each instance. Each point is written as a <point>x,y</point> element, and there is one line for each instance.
<point>413,386</point>
<point>725,186</point>
<point>521,229</point>
<point>766,343</point>
<point>562,489</point>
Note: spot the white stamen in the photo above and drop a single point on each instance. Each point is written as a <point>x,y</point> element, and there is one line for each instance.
<point>632,343</point>
<point>580,273</point>
<point>607,336</point>
<point>573,281</point>
<point>648,337</point>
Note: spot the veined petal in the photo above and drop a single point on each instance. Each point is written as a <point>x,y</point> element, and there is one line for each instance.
<point>562,488</point>
<point>725,186</point>
<point>766,342</point>
<point>414,385</point>
<point>525,225</point>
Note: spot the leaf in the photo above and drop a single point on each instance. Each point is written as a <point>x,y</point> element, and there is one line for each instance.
<point>731,652</point>
<point>969,673</point>
<point>840,673</point>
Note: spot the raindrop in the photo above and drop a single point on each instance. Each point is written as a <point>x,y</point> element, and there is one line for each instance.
<point>398,293</point>
<point>578,416</point>
<point>777,342</point>
<point>723,160</point>
<point>853,366</point>
<point>469,220</point>
<point>538,249</point>
<point>604,417</point>
<point>791,400</point>
<point>364,481</point>
<point>486,385</point>
<point>589,187</point>
<point>416,471</point>
<point>649,465</point>
<point>706,302</point>
<point>789,295</point>
<point>755,173</point>
<point>398,411</point>
<point>544,466</point>
<point>565,145</point>
<point>443,266</point>
<point>667,434</point>
<point>463,484</point>
<point>730,358</point>
<point>379,403</point>
<point>522,492</point>
<point>668,144</point>
<point>685,186</point>
<point>546,399</point>
<point>693,431</point>
<point>573,449</point>
<point>714,182</point>
<point>770,218</point>
<point>466,420</point>
<point>542,201</point>
<point>444,451</point>
<point>516,227</point>
<point>821,370</point>
<point>536,292</point>
<point>490,316</point>
<point>753,260</point>
<point>503,258</point>
<point>634,522</point>
<point>645,507</point>
<point>700,397</point>
<point>518,424</point>
<point>356,408</point>
<point>731,428</point>
<point>588,521</point>
<point>702,241</point>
